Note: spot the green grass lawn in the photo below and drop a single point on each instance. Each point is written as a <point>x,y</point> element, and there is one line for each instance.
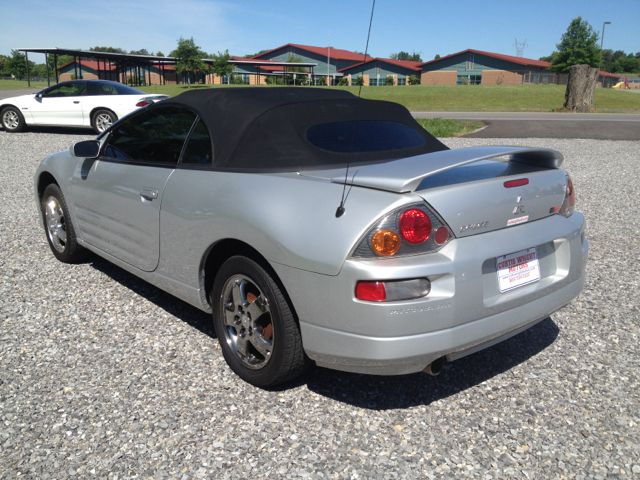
<point>444,97</point>
<point>464,98</point>
<point>14,84</point>
<point>492,97</point>
<point>445,127</point>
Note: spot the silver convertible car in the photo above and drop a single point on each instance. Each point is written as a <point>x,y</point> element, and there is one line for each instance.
<point>316,226</point>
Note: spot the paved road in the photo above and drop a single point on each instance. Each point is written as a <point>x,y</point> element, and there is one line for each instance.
<point>601,126</point>
<point>18,91</point>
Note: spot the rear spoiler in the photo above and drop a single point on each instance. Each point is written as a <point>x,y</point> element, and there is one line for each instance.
<point>404,175</point>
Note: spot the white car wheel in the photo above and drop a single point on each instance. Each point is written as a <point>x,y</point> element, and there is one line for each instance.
<point>12,120</point>
<point>102,120</point>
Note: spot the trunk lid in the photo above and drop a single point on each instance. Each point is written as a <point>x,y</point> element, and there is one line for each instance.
<point>466,186</point>
<point>485,205</point>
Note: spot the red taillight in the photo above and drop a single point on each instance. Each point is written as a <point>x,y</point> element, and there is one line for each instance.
<point>372,291</point>
<point>415,226</point>
<point>516,183</point>
<point>143,103</point>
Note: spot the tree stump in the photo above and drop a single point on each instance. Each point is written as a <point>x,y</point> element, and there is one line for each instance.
<point>581,86</point>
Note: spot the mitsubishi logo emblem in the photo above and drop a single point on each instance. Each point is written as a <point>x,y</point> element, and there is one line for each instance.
<point>520,207</point>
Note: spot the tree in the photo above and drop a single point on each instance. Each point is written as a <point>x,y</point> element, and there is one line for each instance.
<point>300,79</point>
<point>108,50</point>
<point>550,58</point>
<point>437,56</point>
<point>142,51</point>
<point>62,60</point>
<point>414,57</point>
<point>4,65</point>
<point>625,64</point>
<point>39,70</point>
<point>159,54</point>
<point>606,59</point>
<point>250,55</point>
<point>359,81</point>
<point>579,46</point>
<point>221,66</point>
<point>189,58</point>
<point>17,66</point>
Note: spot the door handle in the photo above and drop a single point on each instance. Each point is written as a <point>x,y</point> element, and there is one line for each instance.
<point>76,101</point>
<point>149,193</point>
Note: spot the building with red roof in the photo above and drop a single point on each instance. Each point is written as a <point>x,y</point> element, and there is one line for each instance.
<point>314,65</point>
<point>475,67</point>
<point>376,71</point>
<point>329,61</point>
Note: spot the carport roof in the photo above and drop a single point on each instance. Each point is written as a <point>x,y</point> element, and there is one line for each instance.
<point>101,55</point>
<point>153,58</point>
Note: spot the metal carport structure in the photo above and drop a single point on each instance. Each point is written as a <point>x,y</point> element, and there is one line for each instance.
<point>135,64</point>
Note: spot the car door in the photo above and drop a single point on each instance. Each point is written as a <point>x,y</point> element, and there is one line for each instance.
<point>117,196</point>
<point>60,105</point>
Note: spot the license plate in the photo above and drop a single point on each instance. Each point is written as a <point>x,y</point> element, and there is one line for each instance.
<point>517,269</point>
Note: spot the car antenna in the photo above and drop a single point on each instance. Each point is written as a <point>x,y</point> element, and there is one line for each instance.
<point>340,210</point>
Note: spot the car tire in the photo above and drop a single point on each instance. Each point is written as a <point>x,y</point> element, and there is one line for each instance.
<point>255,325</point>
<point>61,235</point>
<point>103,119</point>
<point>12,120</point>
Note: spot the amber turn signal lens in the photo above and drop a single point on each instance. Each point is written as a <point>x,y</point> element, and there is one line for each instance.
<point>385,242</point>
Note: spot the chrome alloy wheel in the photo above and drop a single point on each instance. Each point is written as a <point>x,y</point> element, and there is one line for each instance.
<point>55,224</point>
<point>10,119</point>
<point>247,321</point>
<point>103,121</point>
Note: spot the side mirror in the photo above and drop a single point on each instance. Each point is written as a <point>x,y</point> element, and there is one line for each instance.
<point>39,96</point>
<point>85,149</point>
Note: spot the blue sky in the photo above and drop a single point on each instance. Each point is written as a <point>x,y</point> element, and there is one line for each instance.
<point>244,27</point>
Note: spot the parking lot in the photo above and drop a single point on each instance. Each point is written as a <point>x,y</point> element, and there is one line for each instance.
<point>104,376</point>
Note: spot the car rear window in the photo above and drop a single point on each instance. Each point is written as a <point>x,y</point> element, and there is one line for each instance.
<point>364,136</point>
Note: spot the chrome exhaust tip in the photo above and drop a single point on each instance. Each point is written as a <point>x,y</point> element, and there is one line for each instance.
<point>435,367</point>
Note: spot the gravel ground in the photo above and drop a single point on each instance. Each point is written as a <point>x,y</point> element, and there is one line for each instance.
<point>105,376</point>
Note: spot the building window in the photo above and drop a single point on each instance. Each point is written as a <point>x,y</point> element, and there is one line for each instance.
<point>469,80</point>
<point>470,59</point>
<point>373,82</point>
<point>402,81</point>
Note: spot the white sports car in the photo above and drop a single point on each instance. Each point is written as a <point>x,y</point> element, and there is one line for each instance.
<point>77,103</point>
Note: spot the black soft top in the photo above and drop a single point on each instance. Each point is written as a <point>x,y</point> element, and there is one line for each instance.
<point>265,128</point>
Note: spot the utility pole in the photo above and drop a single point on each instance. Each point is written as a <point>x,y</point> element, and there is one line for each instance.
<point>329,61</point>
<point>601,44</point>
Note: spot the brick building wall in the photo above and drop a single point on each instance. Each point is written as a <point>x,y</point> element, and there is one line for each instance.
<point>501,77</point>
<point>438,78</point>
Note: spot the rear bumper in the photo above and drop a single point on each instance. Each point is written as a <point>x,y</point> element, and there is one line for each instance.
<point>402,355</point>
<point>463,313</point>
